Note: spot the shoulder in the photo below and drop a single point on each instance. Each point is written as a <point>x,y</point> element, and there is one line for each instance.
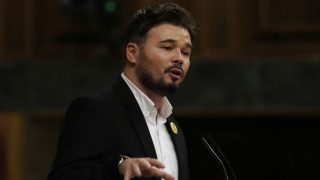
<point>106,99</point>
<point>94,100</point>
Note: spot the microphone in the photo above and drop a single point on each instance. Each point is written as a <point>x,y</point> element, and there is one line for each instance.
<point>217,154</point>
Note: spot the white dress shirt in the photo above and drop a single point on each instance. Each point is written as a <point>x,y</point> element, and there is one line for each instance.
<point>156,120</point>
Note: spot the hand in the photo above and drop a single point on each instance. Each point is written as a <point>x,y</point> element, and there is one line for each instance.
<point>143,167</point>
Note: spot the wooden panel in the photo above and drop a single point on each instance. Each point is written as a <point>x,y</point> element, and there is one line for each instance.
<point>11,127</point>
<point>36,29</point>
<point>290,15</point>
<point>15,26</point>
<point>80,38</point>
<point>46,24</point>
<point>269,28</point>
<point>29,31</point>
<point>2,30</point>
<point>260,28</point>
<point>210,17</point>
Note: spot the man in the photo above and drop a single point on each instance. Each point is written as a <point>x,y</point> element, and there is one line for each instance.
<point>127,131</point>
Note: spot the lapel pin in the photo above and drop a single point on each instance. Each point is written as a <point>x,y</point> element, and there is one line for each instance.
<point>174,128</point>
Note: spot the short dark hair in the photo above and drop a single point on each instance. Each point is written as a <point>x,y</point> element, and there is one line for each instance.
<point>145,19</point>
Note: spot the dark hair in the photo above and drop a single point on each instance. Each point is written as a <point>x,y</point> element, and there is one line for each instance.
<point>145,19</point>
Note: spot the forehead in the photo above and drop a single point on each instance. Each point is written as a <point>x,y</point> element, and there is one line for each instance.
<point>164,32</point>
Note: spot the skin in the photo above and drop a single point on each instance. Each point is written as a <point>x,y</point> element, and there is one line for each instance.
<point>165,56</point>
<point>165,46</point>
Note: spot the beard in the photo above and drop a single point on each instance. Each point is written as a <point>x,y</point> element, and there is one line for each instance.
<point>148,79</point>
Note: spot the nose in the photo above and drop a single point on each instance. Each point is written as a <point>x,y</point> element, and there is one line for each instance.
<point>178,58</point>
<point>178,61</point>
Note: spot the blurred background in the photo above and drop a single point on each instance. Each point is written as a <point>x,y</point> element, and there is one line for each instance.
<point>253,83</point>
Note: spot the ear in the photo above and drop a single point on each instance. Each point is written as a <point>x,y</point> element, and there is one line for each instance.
<point>132,52</point>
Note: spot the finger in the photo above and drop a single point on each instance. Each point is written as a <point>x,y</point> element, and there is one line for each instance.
<point>136,170</point>
<point>161,174</point>
<point>144,163</point>
<point>155,162</point>
<point>127,175</point>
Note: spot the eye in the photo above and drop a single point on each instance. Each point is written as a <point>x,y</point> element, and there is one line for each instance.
<point>167,47</point>
<point>186,53</point>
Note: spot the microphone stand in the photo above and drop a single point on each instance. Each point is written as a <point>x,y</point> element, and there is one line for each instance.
<point>217,154</point>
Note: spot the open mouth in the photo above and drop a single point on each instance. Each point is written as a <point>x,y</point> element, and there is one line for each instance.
<point>176,73</point>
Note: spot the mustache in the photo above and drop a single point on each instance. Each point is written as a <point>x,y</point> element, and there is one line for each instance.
<point>175,66</point>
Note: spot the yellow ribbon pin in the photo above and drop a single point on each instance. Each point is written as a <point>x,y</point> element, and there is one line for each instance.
<point>174,128</point>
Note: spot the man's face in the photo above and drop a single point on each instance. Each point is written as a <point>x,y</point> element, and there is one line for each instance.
<point>164,58</point>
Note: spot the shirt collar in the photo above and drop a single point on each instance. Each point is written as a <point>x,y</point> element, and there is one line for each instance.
<point>146,104</point>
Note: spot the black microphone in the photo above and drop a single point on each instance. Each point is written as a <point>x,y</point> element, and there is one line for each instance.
<point>217,154</point>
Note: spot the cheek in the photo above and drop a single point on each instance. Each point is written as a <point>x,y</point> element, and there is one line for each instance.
<point>155,58</point>
<point>186,67</point>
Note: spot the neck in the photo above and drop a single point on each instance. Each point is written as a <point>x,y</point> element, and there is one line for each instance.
<point>155,97</point>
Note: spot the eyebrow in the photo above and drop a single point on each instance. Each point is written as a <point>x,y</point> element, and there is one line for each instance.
<point>189,45</point>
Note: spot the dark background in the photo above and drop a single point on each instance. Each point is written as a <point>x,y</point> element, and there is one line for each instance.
<point>253,83</point>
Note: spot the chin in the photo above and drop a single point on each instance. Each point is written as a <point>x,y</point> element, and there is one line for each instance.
<point>177,82</point>
<point>173,83</point>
